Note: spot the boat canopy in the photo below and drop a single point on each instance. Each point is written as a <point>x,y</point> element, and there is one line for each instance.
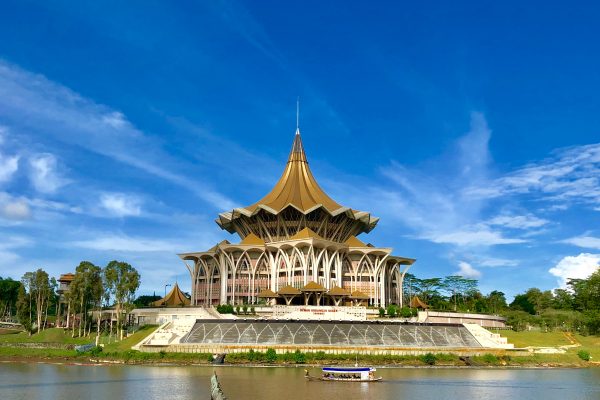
<point>343,370</point>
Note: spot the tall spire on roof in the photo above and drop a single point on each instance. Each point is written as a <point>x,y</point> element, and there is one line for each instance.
<point>298,115</point>
<point>297,153</point>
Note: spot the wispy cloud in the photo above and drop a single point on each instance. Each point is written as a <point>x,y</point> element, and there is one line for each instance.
<point>44,173</point>
<point>571,175</point>
<point>8,164</point>
<point>126,244</point>
<point>14,209</point>
<point>34,102</point>
<point>120,204</point>
<point>588,242</point>
<point>435,205</point>
<point>480,237</point>
<point>518,221</point>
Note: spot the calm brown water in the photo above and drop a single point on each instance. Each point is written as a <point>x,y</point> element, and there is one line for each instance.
<point>46,381</point>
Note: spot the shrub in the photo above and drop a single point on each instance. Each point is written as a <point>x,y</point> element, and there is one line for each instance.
<point>225,309</point>
<point>271,355</point>
<point>428,359</point>
<point>391,311</point>
<point>237,309</point>
<point>489,359</point>
<point>405,312</point>
<point>245,308</point>
<point>251,355</point>
<point>299,357</point>
<point>320,355</point>
<point>210,358</point>
<point>584,355</point>
<point>95,351</point>
<point>162,354</point>
<point>252,310</point>
<point>381,312</point>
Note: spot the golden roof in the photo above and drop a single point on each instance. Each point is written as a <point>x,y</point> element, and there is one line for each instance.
<point>338,291</point>
<point>416,302</point>
<point>353,241</point>
<point>313,287</point>
<point>297,188</point>
<point>252,239</point>
<point>267,293</point>
<point>357,294</point>
<point>288,290</point>
<point>174,298</point>
<point>306,233</point>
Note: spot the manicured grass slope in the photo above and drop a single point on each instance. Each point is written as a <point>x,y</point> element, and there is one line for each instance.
<point>52,335</point>
<point>535,338</point>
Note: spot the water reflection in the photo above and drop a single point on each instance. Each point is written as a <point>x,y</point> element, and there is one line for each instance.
<point>46,381</point>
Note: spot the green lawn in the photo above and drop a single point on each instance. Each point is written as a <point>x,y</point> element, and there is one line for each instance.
<point>535,338</point>
<point>591,344</point>
<point>51,335</point>
<point>132,340</point>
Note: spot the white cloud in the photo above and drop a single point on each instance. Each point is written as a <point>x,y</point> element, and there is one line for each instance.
<point>497,262</point>
<point>44,175</point>
<point>18,210</point>
<point>471,238</point>
<point>588,242</point>
<point>128,244</point>
<point>8,166</point>
<point>466,270</point>
<point>120,204</point>
<point>518,221</point>
<point>14,209</point>
<point>575,267</point>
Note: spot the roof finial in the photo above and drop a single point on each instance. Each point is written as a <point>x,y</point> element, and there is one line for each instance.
<point>298,115</point>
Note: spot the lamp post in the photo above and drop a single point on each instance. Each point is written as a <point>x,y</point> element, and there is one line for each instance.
<point>168,284</point>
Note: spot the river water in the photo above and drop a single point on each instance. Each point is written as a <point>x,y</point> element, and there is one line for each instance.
<point>51,381</point>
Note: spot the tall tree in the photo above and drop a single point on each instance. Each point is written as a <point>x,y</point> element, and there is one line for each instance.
<point>24,312</point>
<point>586,292</point>
<point>430,287</point>
<point>496,301</point>
<point>121,280</point>
<point>86,292</point>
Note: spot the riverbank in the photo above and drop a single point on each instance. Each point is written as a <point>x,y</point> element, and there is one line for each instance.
<point>132,357</point>
<point>57,346</point>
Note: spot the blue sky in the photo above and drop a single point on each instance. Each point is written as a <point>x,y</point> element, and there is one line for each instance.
<point>471,128</point>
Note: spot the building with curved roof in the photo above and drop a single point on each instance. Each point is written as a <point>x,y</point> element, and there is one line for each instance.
<point>296,235</point>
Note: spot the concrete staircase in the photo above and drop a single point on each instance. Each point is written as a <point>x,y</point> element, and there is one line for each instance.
<point>488,339</point>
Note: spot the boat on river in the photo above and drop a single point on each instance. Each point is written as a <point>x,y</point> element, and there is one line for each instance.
<point>345,374</point>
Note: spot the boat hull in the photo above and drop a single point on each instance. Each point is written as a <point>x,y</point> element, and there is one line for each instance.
<point>314,378</point>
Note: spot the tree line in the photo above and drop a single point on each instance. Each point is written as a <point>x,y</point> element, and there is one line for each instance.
<point>452,293</point>
<point>35,298</point>
<point>575,309</point>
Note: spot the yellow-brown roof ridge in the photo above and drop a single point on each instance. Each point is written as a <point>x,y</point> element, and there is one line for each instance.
<point>338,291</point>
<point>288,290</point>
<point>306,233</point>
<point>357,294</point>
<point>251,238</point>
<point>353,241</point>
<point>313,286</point>
<point>267,293</point>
